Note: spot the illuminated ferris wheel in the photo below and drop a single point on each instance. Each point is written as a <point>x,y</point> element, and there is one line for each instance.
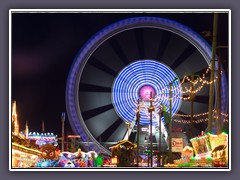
<point>126,61</point>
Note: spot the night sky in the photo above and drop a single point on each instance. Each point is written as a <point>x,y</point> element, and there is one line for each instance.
<point>44,46</point>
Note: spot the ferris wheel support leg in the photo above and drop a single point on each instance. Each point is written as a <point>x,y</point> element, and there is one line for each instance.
<point>129,131</point>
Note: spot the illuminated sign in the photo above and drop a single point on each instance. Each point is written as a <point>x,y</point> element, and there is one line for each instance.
<point>201,145</point>
<point>217,140</point>
<point>187,152</point>
<point>177,144</point>
<point>144,129</point>
<point>42,138</point>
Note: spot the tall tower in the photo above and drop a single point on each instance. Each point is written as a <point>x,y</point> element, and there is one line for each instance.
<point>15,124</point>
<point>63,120</point>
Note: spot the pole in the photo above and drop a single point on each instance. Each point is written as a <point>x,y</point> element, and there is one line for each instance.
<point>151,148</point>
<point>170,125</point>
<point>211,91</point>
<point>150,110</point>
<point>159,143</point>
<point>219,129</point>
<point>192,97</point>
<point>138,131</point>
<point>128,124</point>
<point>63,119</point>
<point>43,126</point>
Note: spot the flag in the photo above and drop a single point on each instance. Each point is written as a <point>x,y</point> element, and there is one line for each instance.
<point>166,116</point>
<point>164,108</point>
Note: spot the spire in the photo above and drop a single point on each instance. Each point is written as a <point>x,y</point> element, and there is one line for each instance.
<point>15,124</point>
<point>43,126</point>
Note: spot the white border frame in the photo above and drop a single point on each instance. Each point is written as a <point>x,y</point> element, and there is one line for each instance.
<point>116,11</point>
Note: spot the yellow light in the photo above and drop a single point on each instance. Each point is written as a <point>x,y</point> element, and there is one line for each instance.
<point>28,149</point>
<point>14,119</point>
<point>114,160</point>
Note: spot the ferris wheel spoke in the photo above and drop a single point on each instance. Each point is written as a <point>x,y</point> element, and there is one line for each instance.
<point>83,87</point>
<point>99,123</point>
<point>129,47</point>
<point>108,56</point>
<point>87,100</point>
<point>110,130</point>
<point>96,76</point>
<point>139,35</point>
<point>151,38</point>
<point>118,50</point>
<point>189,66</point>
<point>94,112</point>
<point>119,133</point>
<point>98,64</point>
<point>187,52</point>
<point>175,47</point>
<point>163,44</point>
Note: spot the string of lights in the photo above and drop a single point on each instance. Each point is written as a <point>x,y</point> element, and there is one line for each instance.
<point>180,89</point>
<point>200,81</point>
<point>201,114</point>
<point>184,121</point>
<point>144,108</point>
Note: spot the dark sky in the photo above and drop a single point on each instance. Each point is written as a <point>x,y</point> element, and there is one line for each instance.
<point>44,46</point>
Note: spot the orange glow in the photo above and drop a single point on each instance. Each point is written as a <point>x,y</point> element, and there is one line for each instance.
<point>114,160</point>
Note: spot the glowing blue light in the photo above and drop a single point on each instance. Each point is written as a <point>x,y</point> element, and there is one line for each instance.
<point>148,74</point>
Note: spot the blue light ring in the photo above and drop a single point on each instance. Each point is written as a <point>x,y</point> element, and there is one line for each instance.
<point>143,70</point>
<point>151,76</point>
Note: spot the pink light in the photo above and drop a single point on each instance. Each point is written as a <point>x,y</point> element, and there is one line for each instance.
<point>145,92</point>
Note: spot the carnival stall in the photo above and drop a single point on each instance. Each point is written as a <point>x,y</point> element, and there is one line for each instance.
<point>219,144</point>
<point>207,150</point>
<point>53,157</point>
<point>124,153</point>
<point>24,157</point>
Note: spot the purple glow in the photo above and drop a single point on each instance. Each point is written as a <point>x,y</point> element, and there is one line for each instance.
<point>145,92</point>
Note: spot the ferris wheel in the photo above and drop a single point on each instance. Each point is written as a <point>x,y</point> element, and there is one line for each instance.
<point>124,62</point>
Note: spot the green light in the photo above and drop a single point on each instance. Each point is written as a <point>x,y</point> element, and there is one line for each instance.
<point>99,160</point>
<point>209,158</point>
<point>224,133</point>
